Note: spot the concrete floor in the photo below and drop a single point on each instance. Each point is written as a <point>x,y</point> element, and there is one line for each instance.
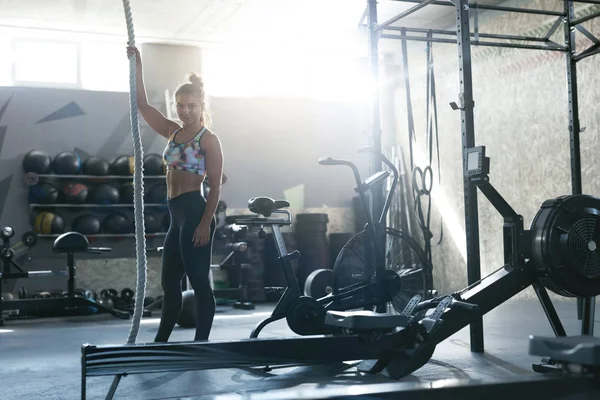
<point>41,358</point>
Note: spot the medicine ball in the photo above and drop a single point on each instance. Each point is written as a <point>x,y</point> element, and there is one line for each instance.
<point>122,165</point>
<point>43,193</point>
<point>86,224</point>
<point>74,193</point>
<point>151,223</point>
<point>37,161</point>
<point>117,223</point>
<point>157,194</point>
<point>126,192</point>
<point>67,163</point>
<point>49,223</point>
<point>154,165</point>
<point>96,166</point>
<point>104,194</point>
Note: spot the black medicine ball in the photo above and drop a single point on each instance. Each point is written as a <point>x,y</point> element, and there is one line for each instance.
<point>104,194</point>
<point>126,193</point>
<point>97,166</point>
<point>86,224</point>
<point>43,193</point>
<point>122,165</point>
<point>151,223</point>
<point>67,163</point>
<point>74,193</point>
<point>157,194</point>
<point>37,161</point>
<point>154,165</point>
<point>117,223</point>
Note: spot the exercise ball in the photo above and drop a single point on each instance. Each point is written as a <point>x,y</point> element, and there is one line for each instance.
<point>86,224</point>
<point>122,165</point>
<point>37,161</point>
<point>154,165</point>
<point>74,193</point>
<point>104,194</point>
<point>187,317</point>
<point>157,194</point>
<point>67,163</point>
<point>49,223</point>
<point>43,193</point>
<point>151,223</point>
<point>97,166</point>
<point>117,223</point>
<point>126,193</point>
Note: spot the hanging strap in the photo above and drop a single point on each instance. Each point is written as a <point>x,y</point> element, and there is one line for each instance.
<point>422,179</point>
<point>432,118</point>
<point>410,119</point>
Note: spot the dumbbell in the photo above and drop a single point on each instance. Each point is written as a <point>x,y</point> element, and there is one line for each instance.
<point>127,295</point>
<point>111,293</point>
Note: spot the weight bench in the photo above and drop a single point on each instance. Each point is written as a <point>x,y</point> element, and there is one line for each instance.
<point>70,243</point>
<point>581,351</point>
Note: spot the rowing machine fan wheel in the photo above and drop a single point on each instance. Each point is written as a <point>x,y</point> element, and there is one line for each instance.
<point>566,245</point>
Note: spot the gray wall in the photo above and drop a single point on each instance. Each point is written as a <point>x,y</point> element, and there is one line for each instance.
<point>520,115</point>
<point>269,145</point>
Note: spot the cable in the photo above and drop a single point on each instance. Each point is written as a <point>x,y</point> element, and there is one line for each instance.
<point>138,197</point>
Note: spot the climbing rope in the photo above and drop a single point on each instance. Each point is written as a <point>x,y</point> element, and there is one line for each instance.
<point>138,198</point>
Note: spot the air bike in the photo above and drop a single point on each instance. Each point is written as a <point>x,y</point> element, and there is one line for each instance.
<point>559,252</point>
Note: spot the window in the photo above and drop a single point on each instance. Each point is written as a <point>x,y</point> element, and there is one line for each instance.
<point>230,73</point>
<point>104,66</point>
<point>45,62</point>
<point>318,75</point>
<point>5,61</point>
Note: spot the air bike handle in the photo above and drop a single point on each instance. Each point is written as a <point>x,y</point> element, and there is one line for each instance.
<point>334,161</point>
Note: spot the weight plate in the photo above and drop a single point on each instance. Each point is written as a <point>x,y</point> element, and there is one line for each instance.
<point>29,239</point>
<point>306,316</point>
<point>22,292</point>
<point>319,283</point>
<point>31,178</point>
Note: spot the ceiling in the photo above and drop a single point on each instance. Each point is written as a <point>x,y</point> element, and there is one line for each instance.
<point>248,22</point>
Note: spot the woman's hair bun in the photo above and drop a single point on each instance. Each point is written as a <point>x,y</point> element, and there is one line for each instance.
<point>195,79</point>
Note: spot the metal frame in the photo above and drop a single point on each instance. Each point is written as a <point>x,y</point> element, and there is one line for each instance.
<point>464,38</point>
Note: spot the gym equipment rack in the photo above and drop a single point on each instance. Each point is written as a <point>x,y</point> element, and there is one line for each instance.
<point>571,24</point>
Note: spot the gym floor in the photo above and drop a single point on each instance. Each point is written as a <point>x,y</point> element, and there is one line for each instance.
<point>41,357</point>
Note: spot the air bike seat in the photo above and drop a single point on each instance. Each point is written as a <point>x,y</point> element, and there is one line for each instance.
<point>266,205</point>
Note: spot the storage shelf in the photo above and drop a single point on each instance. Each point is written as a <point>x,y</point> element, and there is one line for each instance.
<point>129,177</point>
<point>57,205</point>
<point>104,235</point>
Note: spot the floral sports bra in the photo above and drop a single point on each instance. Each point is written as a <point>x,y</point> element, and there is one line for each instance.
<point>188,156</point>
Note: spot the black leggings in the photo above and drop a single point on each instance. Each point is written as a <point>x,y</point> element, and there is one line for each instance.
<point>181,257</point>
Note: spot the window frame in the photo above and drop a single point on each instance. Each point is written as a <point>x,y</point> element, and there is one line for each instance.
<point>44,84</point>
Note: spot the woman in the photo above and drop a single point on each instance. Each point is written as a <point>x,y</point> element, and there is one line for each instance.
<point>193,154</point>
